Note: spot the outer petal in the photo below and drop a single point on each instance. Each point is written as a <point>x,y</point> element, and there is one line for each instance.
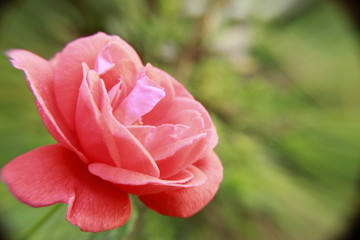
<point>137,183</point>
<point>39,74</point>
<point>53,174</point>
<point>188,201</point>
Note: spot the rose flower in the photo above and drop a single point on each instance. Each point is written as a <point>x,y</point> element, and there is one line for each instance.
<point>122,128</point>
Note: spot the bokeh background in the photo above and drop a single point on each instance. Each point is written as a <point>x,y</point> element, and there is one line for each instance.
<point>281,79</point>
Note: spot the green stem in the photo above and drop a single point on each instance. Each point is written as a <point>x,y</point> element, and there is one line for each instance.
<point>34,227</point>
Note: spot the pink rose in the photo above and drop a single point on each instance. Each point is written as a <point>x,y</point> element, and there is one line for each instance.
<point>122,128</point>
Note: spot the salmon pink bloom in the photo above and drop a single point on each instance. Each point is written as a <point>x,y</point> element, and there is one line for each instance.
<point>122,128</point>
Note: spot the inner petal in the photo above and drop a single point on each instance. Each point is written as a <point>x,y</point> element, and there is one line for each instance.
<point>155,138</point>
<point>104,61</point>
<point>141,100</point>
<point>116,94</point>
<point>125,70</point>
<point>113,52</point>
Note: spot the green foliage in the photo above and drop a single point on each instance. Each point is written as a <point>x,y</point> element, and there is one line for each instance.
<point>285,105</point>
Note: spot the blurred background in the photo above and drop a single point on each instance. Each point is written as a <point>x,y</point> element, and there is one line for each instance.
<point>281,79</point>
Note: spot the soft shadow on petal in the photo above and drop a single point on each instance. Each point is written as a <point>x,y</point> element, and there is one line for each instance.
<point>39,74</point>
<point>188,201</point>
<point>52,174</point>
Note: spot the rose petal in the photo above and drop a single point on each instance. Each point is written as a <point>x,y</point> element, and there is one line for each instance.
<point>122,176</point>
<point>155,138</point>
<point>155,116</point>
<point>161,76</point>
<point>40,78</point>
<point>68,71</point>
<point>98,206</point>
<point>180,104</point>
<point>115,94</point>
<point>102,137</point>
<point>185,153</point>
<point>145,95</point>
<point>172,148</point>
<point>113,52</point>
<point>104,61</point>
<point>175,115</point>
<point>179,89</point>
<point>94,135</point>
<point>52,174</point>
<point>133,156</point>
<point>188,201</point>
<point>173,90</point>
<point>137,183</point>
<point>126,71</point>
<point>190,118</point>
